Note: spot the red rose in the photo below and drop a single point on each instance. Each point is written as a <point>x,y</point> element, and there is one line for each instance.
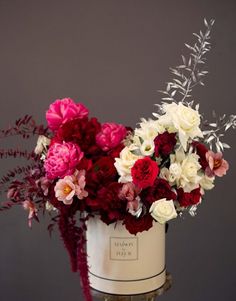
<point>164,144</point>
<point>201,150</point>
<point>144,172</point>
<point>186,199</point>
<point>159,190</point>
<point>135,225</point>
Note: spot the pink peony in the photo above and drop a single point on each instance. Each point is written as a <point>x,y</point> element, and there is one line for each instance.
<point>217,165</point>
<point>70,186</point>
<point>62,110</point>
<point>62,159</point>
<point>110,136</point>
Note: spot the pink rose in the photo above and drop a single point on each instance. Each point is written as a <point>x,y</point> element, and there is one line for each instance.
<point>62,110</point>
<point>62,159</point>
<point>217,165</point>
<point>110,136</point>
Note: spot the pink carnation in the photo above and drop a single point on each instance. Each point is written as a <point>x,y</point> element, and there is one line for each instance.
<point>62,159</point>
<point>62,110</point>
<point>217,165</point>
<point>110,136</point>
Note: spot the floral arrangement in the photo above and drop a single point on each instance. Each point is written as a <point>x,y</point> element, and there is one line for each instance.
<point>153,173</point>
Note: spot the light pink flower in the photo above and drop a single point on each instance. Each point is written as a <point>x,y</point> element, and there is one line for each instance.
<point>65,190</point>
<point>62,159</point>
<point>80,184</point>
<point>70,186</point>
<point>110,136</point>
<point>29,205</point>
<point>62,110</point>
<point>129,192</point>
<point>44,184</point>
<point>217,165</point>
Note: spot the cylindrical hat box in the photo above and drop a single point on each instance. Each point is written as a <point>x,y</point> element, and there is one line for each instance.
<point>125,264</point>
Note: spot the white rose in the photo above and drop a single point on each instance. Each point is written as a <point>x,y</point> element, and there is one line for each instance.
<point>125,162</point>
<point>164,173</point>
<point>186,170</point>
<point>147,148</point>
<point>163,210</point>
<point>184,119</point>
<point>207,182</point>
<point>175,171</point>
<point>149,129</point>
<point>190,167</point>
<point>42,143</point>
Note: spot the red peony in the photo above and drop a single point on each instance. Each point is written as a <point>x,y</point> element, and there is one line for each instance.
<point>159,190</point>
<point>186,199</point>
<point>81,131</point>
<point>164,144</point>
<point>105,169</point>
<point>144,172</point>
<point>112,208</point>
<point>201,150</point>
<point>115,152</point>
<point>135,225</point>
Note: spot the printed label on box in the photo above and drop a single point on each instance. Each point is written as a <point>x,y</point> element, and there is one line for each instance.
<point>124,248</point>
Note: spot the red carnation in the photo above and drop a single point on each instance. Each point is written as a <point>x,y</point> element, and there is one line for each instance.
<point>201,151</point>
<point>144,172</point>
<point>164,144</point>
<point>186,199</point>
<point>135,225</point>
<point>159,190</point>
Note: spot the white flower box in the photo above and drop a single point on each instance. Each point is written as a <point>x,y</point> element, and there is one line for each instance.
<point>122,263</point>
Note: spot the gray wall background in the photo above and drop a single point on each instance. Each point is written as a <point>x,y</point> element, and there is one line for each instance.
<point>113,56</point>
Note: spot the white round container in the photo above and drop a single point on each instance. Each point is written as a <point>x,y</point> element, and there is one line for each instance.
<point>122,263</point>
